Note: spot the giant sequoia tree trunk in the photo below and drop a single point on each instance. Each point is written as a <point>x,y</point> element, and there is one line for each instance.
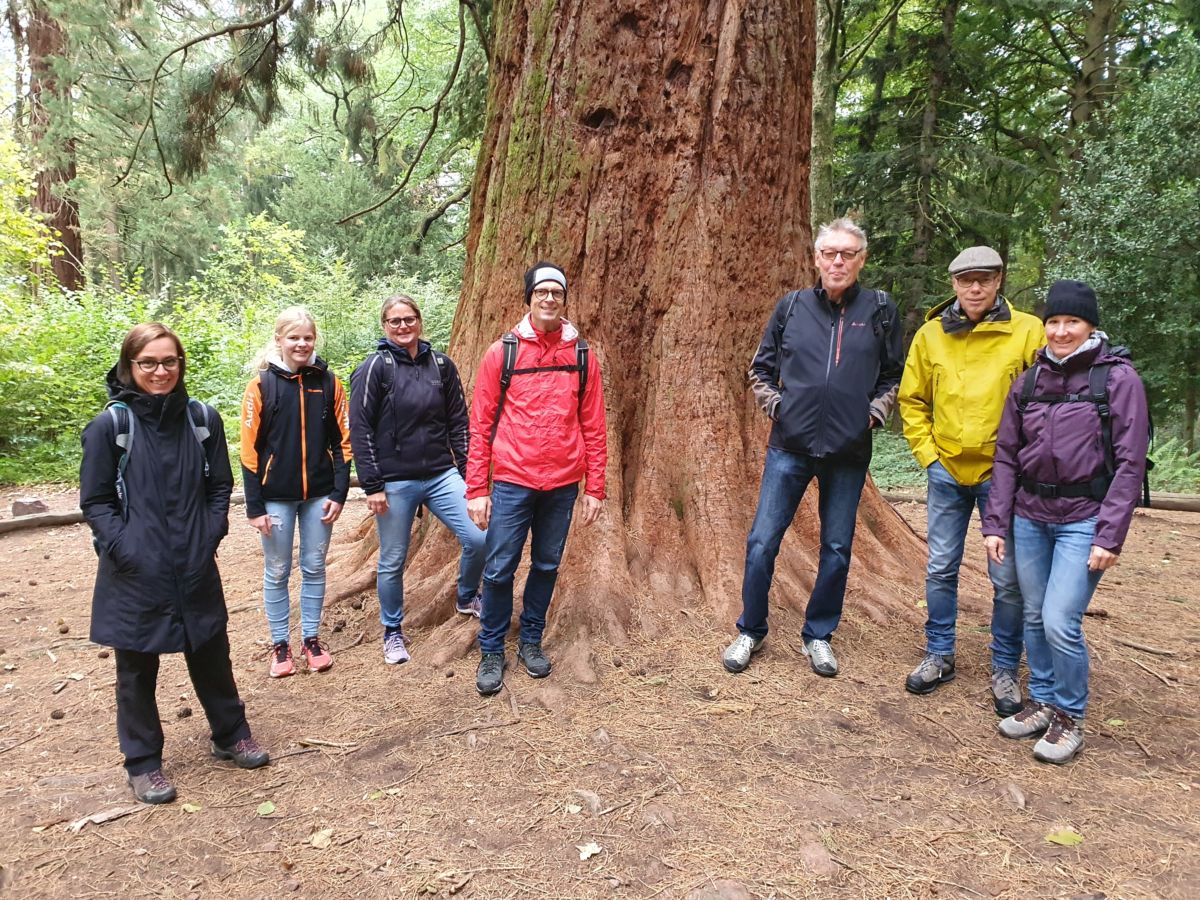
<point>660,154</point>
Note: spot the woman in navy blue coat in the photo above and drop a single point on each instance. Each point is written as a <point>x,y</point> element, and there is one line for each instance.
<point>154,487</point>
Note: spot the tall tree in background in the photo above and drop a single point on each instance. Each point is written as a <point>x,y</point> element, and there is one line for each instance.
<point>52,136</point>
<point>659,153</point>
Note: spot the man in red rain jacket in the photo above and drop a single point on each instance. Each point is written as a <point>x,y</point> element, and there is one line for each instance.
<point>538,437</point>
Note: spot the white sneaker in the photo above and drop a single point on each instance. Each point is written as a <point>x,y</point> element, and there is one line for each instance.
<point>394,650</point>
<point>821,658</point>
<point>737,655</point>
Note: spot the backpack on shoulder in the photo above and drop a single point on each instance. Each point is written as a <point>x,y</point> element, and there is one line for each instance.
<point>881,321</point>
<point>1097,393</point>
<point>125,429</point>
<point>508,369</point>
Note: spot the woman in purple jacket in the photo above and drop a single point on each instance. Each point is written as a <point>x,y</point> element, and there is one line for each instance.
<point>1070,459</point>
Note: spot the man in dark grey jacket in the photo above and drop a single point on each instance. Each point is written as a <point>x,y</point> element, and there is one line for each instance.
<point>826,372</point>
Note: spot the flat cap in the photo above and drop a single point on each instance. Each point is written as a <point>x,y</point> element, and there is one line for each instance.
<point>976,259</point>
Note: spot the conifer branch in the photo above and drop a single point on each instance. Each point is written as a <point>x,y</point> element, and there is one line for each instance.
<point>151,125</point>
<point>433,124</point>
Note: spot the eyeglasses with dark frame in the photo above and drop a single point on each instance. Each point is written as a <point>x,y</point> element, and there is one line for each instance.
<point>968,278</point>
<point>149,366</point>
<point>542,293</point>
<point>403,321</point>
<point>847,255</point>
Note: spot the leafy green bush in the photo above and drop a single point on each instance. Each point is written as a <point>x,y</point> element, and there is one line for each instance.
<point>55,350</point>
<point>1175,469</point>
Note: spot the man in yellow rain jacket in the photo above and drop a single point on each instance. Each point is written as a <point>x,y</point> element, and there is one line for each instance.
<point>960,367</point>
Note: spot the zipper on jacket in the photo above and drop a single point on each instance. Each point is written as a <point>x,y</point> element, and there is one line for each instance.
<point>303,440</point>
<point>267,470</point>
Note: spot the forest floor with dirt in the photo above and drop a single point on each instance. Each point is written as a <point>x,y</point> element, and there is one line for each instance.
<point>667,778</point>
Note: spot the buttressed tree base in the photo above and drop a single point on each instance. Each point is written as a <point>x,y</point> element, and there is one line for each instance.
<point>660,154</point>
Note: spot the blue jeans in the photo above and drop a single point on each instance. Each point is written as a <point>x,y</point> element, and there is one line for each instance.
<point>277,564</point>
<point>446,497</point>
<point>949,511</point>
<point>785,478</point>
<point>516,512</point>
<point>1057,585</point>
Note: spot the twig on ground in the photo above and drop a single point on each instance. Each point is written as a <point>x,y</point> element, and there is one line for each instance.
<point>354,643</point>
<point>466,728</point>
<point>944,727</point>
<point>317,742</point>
<point>1138,741</point>
<point>1158,675</point>
<point>20,743</point>
<point>1145,648</point>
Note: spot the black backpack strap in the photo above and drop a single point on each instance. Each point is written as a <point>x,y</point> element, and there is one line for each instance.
<point>1098,389</point>
<point>792,297</point>
<point>1028,386</point>
<point>881,319</point>
<point>582,351</point>
<point>389,374</point>
<point>124,429</point>
<point>509,346</point>
<point>198,420</point>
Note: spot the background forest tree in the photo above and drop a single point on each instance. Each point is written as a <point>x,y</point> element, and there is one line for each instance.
<point>937,123</point>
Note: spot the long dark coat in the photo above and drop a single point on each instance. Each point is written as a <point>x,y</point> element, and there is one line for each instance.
<point>157,589</point>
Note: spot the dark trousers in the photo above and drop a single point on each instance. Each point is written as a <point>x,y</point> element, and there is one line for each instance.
<point>518,512</point>
<point>785,478</point>
<point>139,729</point>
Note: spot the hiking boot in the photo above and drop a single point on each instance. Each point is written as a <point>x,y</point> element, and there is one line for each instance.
<point>737,655</point>
<point>152,787</point>
<point>281,660</point>
<point>1034,718</point>
<point>489,677</point>
<point>1006,692</point>
<point>394,650</point>
<point>472,607</point>
<point>536,663</point>
<point>934,669</point>
<point>1062,740</point>
<point>821,658</point>
<point>246,753</point>
<point>316,654</point>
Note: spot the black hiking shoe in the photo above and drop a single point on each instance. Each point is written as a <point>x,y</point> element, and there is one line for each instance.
<point>934,669</point>
<point>536,663</point>
<point>489,677</point>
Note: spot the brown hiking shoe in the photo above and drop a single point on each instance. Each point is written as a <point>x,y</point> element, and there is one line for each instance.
<point>246,753</point>
<point>1062,740</point>
<point>152,787</point>
<point>1034,718</point>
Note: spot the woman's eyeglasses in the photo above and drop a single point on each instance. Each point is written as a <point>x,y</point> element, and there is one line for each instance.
<point>403,321</point>
<point>171,363</point>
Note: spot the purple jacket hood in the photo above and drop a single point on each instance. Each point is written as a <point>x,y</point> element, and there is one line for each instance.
<point>1062,443</point>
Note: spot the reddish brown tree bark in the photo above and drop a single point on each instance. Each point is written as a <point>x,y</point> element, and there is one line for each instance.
<point>660,154</point>
<point>49,100</point>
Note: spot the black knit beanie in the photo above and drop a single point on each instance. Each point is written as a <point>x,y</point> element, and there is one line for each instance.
<point>1072,298</point>
<point>544,271</point>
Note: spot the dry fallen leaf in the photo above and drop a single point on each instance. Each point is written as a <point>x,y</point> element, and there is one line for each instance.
<point>588,850</point>
<point>192,807</point>
<point>266,808</point>
<point>322,839</point>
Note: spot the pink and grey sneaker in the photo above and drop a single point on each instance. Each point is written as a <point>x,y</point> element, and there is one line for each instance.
<point>316,655</point>
<point>472,607</point>
<point>281,660</point>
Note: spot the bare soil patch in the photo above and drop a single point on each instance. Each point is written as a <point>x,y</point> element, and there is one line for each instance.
<point>401,781</point>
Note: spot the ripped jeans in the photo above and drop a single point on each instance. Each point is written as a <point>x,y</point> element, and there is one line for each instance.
<point>277,567</point>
